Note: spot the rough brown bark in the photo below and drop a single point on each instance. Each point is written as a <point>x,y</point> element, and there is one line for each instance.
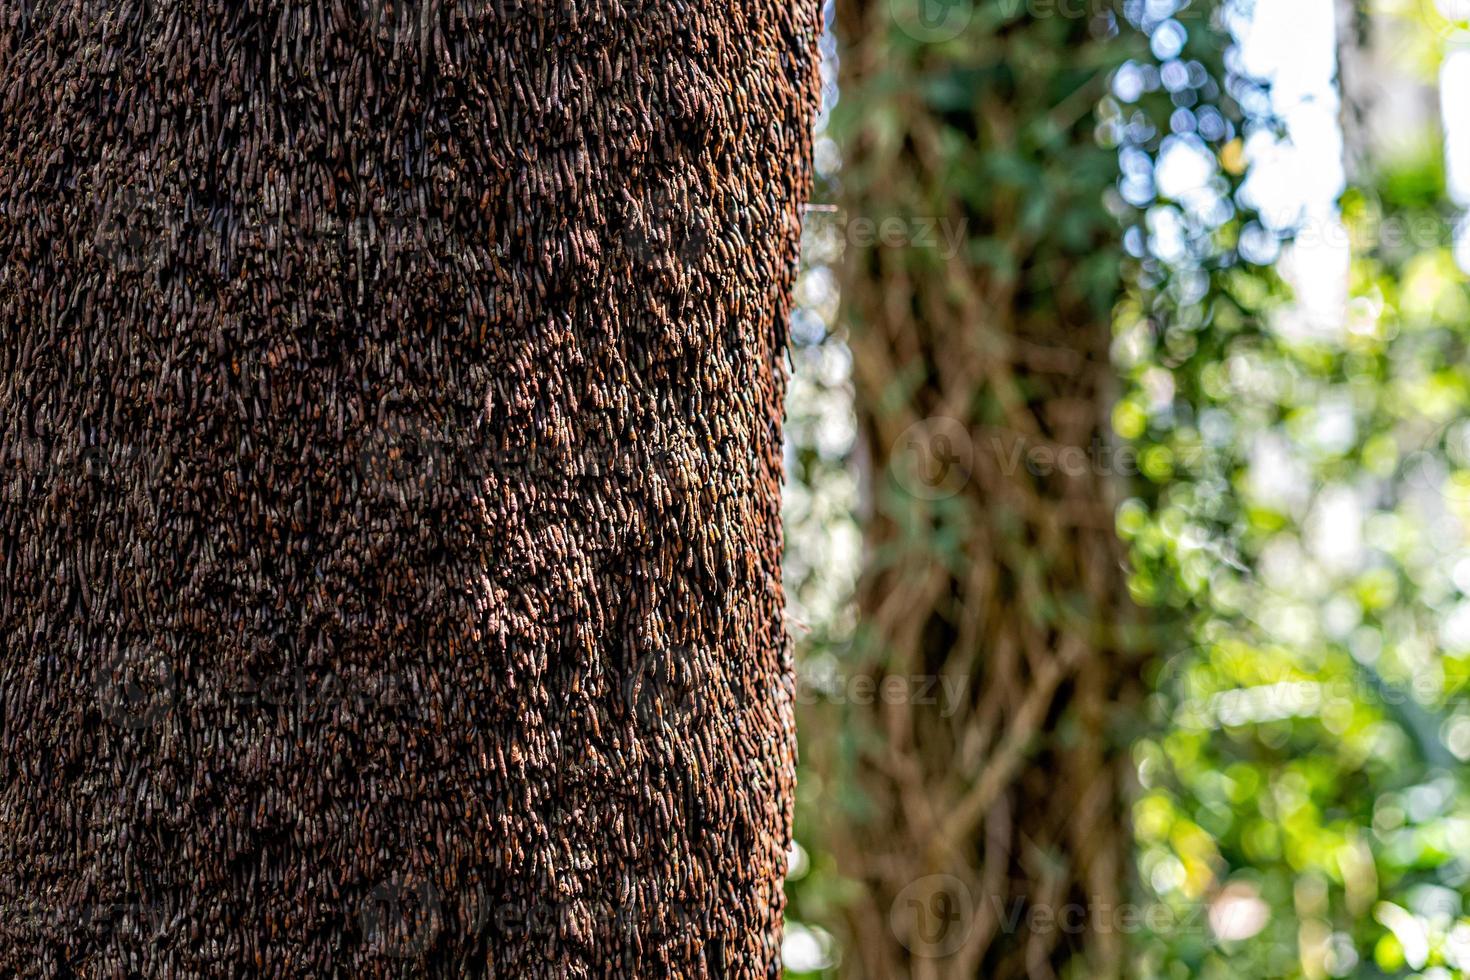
<point>992,840</point>
<point>390,400</point>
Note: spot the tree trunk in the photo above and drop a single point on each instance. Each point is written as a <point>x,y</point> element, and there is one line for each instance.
<point>390,400</point>
<point>991,838</point>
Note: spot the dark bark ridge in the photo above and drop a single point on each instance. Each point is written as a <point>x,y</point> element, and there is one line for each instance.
<point>390,418</point>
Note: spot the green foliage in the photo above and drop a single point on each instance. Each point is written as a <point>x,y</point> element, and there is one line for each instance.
<point>1304,805</point>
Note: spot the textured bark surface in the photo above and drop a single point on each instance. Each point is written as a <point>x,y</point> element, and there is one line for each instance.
<point>390,405</point>
<point>992,841</point>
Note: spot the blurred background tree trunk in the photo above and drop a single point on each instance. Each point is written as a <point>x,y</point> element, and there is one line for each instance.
<point>989,836</point>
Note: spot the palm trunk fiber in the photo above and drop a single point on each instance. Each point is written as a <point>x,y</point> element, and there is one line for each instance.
<point>390,405</point>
